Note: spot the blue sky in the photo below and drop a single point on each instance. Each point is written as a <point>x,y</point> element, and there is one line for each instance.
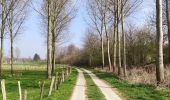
<point>31,40</point>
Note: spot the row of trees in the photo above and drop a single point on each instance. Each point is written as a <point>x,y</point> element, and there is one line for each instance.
<point>107,19</point>
<point>110,42</point>
<point>107,16</point>
<point>13,15</point>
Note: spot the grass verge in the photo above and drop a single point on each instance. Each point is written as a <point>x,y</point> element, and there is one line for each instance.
<point>92,91</point>
<point>134,91</point>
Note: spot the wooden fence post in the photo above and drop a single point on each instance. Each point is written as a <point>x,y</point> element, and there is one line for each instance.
<point>51,86</point>
<point>19,90</point>
<point>67,71</point>
<point>59,80</point>
<point>39,83</point>
<point>3,90</point>
<point>25,95</point>
<point>62,76</point>
<point>56,78</point>
<point>42,91</point>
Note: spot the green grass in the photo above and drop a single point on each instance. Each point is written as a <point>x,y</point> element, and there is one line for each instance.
<point>66,89</point>
<point>92,91</point>
<point>134,91</point>
<point>30,81</point>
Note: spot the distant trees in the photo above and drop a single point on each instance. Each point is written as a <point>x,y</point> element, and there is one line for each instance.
<point>17,53</point>
<point>36,57</point>
<point>140,45</point>
<point>72,55</point>
<point>140,48</point>
<point>92,47</point>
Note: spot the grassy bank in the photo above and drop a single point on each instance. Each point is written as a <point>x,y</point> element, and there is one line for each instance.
<point>134,91</point>
<point>92,91</point>
<point>30,81</point>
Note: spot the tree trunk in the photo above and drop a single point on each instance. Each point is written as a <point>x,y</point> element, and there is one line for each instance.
<point>12,55</point>
<point>118,39</point>
<point>108,52</point>
<point>159,60</point>
<point>124,42</point>
<point>2,36</point>
<point>90,60</point>
<point>168,24</point>
<point>115,38</point>
<point>114,48</point>
<point>53,54</point>
<point>53,36</point>
<point>102,44</point>
<point>11,38</point>
<point>49,38</point>
<point>1,53</point>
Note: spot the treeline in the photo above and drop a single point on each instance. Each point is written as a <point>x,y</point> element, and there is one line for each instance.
<point>140,49</point>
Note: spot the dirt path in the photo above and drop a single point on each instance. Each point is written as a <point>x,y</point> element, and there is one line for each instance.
<point>79,90</point>
<point>105,88</point>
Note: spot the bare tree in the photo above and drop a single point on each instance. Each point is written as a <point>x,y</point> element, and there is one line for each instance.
<point>5,7</point>
<point>15,21</point>
<point>95,11</point>
<point>118,37</point>
<point>56,16</point>
<point>124,40</point>
<point>63,13</point>
<point>159,58</point>
<point>107,19</point>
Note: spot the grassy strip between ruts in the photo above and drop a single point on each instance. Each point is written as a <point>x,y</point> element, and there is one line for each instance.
<point>92,91</point>
<point>30,79</point>
<point>134,91</point>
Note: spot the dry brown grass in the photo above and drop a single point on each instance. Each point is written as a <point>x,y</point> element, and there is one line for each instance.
<point>23,67</point>
<point>144,74</point>
<point>147,75</point>
<point>140,75</point>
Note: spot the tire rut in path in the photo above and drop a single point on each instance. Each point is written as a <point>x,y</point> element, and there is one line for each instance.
<point>79,89</point>
<point>105,88</point>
